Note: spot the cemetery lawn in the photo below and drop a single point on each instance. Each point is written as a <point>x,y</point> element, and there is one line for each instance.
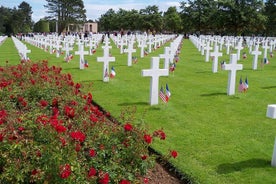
<point>219,138</point>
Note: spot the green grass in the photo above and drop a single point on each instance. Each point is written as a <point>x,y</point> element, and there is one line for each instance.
<point>219,138</point>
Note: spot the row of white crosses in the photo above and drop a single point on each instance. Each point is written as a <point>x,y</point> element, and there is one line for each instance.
<point>155,72</point>
<point>21,48</point>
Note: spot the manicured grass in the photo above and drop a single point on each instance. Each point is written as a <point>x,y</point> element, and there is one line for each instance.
<point>219,138</point>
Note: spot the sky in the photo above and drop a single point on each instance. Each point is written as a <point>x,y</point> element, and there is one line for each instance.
<point>95,8</point>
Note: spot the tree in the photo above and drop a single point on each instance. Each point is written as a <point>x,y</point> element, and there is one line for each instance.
<point>5,18</point>
<point>151,18</point>
<point>198,15</point>
<point>106,21</point>
<point>270,12</point>
<point>42,26</point>
<point>243,16</point>
<point>66,12</point>
<point>25,14</point>
<point>172,20</point>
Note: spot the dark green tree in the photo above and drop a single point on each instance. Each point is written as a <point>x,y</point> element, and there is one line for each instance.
<point>5,20</point>
<point>270,12</point>
<point>242,16</point>
<point>42,26</point>
<point>106,21</point>
<point>66,12</point>
<point>151,19</point>
<point>172,20</point>
<point>25,17</point>
<point>198,14</point>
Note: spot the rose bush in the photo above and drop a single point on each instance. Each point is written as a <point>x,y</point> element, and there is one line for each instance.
<point>50,132</point>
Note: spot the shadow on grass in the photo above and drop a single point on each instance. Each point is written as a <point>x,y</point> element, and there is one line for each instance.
<point>133,103</point>
<point>214,94</point>
<point>239,166</point>
<point>268,87</point>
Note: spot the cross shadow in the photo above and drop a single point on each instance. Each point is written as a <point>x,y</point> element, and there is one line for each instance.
<point>133,103</point>
<point>239,166</point>
<point>214,94</point>
<point>268,87</point>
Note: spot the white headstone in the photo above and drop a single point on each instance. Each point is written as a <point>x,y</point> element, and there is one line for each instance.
<point>232,67</point>
<point>239,48</point>
<point>142,45</point>
<point>81,52</point>
<point>67,49</point>
<point>255,53</point>
<point>215,56</point>
<point>106,59</point>
<point>130,50</point>
<point>57,46</point>
<point>207,54</point>
<point>273,161</point>
<point>265,47</point>
<point>154,73</point>
<point>166,56</point>
<point>228,45</point>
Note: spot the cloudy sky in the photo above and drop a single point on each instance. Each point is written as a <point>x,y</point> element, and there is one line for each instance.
<point>94,8</point>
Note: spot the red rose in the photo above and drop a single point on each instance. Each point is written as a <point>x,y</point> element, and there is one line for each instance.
<point>60,128</point>
<point>92,172</point>
<point>144,157</point>
<point>65,171</point>
<point>34,172</point>
<point>174,153</point>
<point>21,129</point>
<point>63,141</point>
<point>147,138</point>
<point>104,179</point>
<point>78,147</point>
<point>78,136</point>
<point>78,85</point>
<point>92,153</point>
<point>69,111</point>
<point>125,182</point>
<point>43,103</point>
<point>1,137</point>
<point>128,127</point>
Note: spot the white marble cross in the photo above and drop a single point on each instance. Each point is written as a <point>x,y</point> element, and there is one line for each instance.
<point>215,55</point>
<point>106,59</point>
<point>130,50</point>
<point>202,47</point>
<point>92,45</point>
<point>232,67</point>
<point>81,52</point>
<point>255,53</point>
<point>207,54</point>
<point>150,43</point>
<point>122,44</point>
<point>67,48</point>
<point>239,48</point>
<point>142,45</point>
<point>57,46</point>
<point>24,52</point>
<point>154,73</point>
<point>166,56</point>
<point>265,47</point>
<point>228,45</point>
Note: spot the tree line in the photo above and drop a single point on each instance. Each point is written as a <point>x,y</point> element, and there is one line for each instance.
<point>224,17</point>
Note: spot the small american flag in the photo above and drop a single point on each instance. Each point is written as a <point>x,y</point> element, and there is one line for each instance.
<point>162,95</point>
